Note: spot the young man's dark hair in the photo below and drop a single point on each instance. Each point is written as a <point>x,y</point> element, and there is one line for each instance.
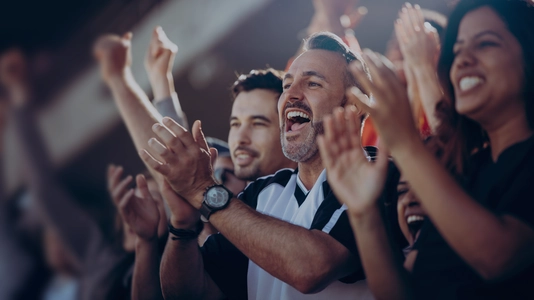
<point>268,79</point>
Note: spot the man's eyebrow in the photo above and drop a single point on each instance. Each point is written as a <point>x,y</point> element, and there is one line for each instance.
<point>314,73</point>
<point>287,75</point>
<point>233,118</point>
<point>261,117</point>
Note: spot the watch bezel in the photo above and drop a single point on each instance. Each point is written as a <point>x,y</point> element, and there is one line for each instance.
<point>208,199</point>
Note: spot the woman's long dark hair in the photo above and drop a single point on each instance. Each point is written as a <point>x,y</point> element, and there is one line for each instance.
<point>457,136</point>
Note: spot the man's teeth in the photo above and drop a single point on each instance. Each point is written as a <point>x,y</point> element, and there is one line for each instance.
<point>414,218</point>
<point>293,114</point>
<point>243,155</point>
<point>468,83</point>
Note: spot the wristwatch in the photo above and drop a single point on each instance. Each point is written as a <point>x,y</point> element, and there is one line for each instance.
<point>216,198</point>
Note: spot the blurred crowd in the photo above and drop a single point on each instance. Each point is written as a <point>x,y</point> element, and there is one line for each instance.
<point>349,175</point>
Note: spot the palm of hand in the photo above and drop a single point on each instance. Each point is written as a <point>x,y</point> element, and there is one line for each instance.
<point>142,215</point>
<point>356,182</point>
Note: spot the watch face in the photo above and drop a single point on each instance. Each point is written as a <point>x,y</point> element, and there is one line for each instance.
<point>216,197</point>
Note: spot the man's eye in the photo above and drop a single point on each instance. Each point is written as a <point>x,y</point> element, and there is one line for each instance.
<point>234,124</point>
<point>286,86</point>
<point>313,84</point>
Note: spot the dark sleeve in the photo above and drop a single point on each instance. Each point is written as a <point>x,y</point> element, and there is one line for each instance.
<point>167,108</point>
<point>332,218</point>
<point>226,265</point>
<point>77,230</point>
<point>519,199</point>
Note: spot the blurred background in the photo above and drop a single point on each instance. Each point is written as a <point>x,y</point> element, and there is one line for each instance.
<point>217,39</point>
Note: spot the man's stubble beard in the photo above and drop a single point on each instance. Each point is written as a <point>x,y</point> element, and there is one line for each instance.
<point>305,150</point>
<point>249,173</point>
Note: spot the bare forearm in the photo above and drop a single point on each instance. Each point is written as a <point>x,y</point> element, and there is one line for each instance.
<point>145,283</point>
<point>182,272</point>
<point>136,110</point>
<point>429,92</point>
<point>464,223</point>
<point>380,262</point>
<point>284,250</point>
<point>170,107</point>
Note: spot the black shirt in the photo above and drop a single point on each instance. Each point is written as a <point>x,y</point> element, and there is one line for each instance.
<point>505,187</point>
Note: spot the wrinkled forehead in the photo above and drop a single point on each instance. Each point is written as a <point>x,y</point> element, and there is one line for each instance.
<point>331,65</point>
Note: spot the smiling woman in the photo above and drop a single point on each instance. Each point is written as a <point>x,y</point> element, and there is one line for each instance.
<point>478,238</point>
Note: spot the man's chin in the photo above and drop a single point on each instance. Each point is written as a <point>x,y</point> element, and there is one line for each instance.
<point>249,173</point>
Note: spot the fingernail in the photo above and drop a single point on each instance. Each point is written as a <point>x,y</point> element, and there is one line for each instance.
<point>167,121</point>
<point>356,91</point>
<point>156,126</point>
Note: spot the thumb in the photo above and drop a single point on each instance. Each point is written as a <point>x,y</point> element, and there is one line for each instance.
<point>213,155</point>
<point>128,35</point>
<point>198,135</point>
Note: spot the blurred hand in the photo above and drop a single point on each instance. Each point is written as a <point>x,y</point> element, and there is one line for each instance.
<point>187,160</point>
<point>335,16</point>
<point>13,68</point>
<point>389,107</point>
<point>14,76</point>
<point>158,63</point>
<point>114,55</point>
<point>141,212</point>
<point>117,188</point>
<point>418,41</point>
<point>355,181</point>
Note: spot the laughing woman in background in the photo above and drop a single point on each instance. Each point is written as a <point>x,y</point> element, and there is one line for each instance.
<point>478,240</point>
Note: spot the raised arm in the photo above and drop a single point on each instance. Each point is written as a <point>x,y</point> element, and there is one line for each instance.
<point>114,56</point>
<point>158,63</point>
<point>358,183</point>
<point>419,44</point>
<point>337,16</point>
<point>507,241</point>
<point>280,248</point>
<point>140,211</point>
<point>60,210</point>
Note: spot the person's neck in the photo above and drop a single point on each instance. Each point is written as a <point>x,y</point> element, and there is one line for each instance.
<point>310,170</point>
<point>511,132</point>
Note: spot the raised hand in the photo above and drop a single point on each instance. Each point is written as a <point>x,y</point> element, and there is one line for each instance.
<point>335,16</point>
<point>117,187</point>
<point>158,63</point>
<point>114,55</point>
<point>418,41</point>
<point>389,106</point>
<point>186,159</point>
<point>14,76</point>
<point>140,211</point>
<point>356,182</point>
<point>419,45</point>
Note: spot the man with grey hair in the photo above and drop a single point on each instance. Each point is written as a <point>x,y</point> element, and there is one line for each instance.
<point>285,236</point>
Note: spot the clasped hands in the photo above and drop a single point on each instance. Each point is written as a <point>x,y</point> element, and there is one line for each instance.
<point>184,159</point>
